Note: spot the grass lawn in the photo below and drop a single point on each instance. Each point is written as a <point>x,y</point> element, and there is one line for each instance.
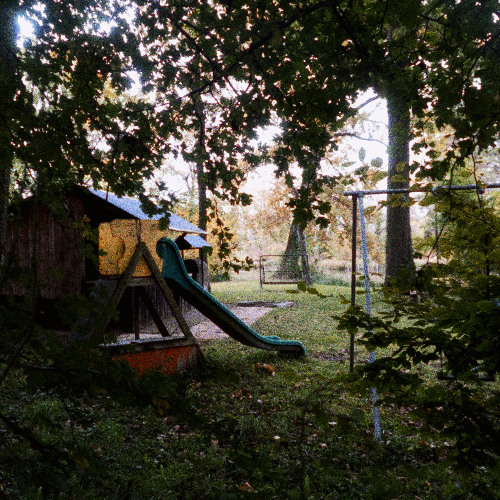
<point>247,424</point>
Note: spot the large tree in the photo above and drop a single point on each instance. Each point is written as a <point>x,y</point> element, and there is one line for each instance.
<point>305,62</point>
<point>423,58</point>
<point>9,77</point>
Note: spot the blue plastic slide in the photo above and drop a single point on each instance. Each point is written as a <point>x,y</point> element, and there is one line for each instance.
<point>178,279</point>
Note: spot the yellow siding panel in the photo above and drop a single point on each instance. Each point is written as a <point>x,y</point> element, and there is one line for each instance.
<point>118,240</point>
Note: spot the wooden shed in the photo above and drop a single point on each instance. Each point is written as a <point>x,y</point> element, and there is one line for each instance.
<point>64,250</point>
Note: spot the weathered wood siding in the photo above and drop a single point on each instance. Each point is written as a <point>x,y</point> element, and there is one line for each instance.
<point>130,308</point>
<point>50,248</point>
<point>53,247</point>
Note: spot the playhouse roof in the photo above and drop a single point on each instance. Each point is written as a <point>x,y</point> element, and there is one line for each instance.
<point>190,241</point>
<point>133,207</point>
<point>196,241</point>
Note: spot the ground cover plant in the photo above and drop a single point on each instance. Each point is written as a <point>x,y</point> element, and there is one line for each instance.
<point>246,424</point>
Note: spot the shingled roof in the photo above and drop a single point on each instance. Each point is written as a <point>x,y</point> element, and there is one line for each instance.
<point>133,207</point>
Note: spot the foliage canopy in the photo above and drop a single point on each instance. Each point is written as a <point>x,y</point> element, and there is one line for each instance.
<point>67,115</point>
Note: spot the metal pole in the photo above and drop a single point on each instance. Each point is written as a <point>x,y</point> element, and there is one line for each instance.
<point>433,189</point>
<point>261,271</point>
<point>353,272</point>
<point>359,194</point>
<point>368,306</point>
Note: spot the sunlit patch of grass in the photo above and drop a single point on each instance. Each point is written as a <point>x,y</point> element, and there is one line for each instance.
<point>309,320</point>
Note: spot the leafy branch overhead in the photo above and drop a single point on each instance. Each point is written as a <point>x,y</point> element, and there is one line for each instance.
<point>68,113</point>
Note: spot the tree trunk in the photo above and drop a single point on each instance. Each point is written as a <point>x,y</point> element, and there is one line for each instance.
<point>200,150</point>
<point>399,251</point>
<point>289,265</point>
<point>5,169</point>
<point>294,263</point>
<point>200,179</point>
<point>303,256</point>
<point>296,248</point>
<point>8,88</point>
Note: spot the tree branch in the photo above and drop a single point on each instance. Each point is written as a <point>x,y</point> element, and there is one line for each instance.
<point>368,101</point>
<point>34,441</point>
<point>220,72</point>
<point>356,136</point>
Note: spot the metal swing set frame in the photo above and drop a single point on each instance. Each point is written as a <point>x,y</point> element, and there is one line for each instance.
<point>358,201</point>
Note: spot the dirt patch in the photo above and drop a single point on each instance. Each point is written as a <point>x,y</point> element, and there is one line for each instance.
<point>206,330</point>
<point>340,356</point>
<point>248,312</point>
<point>264,303</point>
<point>201,327</point>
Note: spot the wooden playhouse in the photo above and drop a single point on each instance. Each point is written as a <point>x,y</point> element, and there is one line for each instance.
<point>57,245</point>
